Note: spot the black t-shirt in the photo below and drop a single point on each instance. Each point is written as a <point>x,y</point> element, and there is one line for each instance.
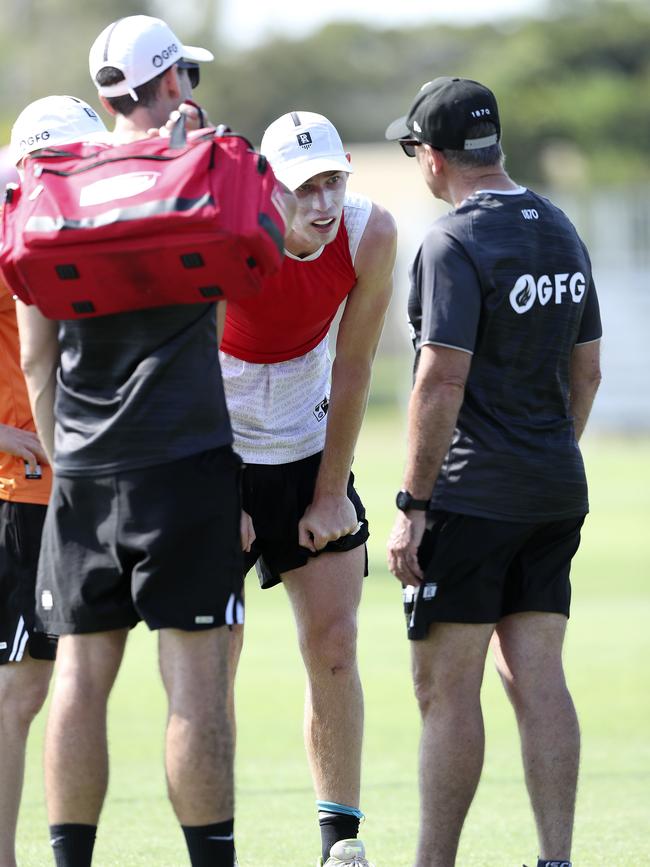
<point>506,278</point>
<point>138,389</point>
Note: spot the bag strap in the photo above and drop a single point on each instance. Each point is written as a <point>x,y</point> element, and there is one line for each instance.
<point>178,138</point>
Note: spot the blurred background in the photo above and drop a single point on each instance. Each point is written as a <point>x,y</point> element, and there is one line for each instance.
<point>572,78</point>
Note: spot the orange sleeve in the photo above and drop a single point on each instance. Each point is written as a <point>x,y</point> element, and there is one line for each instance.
<point>15,411</point>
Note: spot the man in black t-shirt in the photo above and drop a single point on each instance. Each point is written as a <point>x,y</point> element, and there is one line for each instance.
<point>143,523</point>
<point>506,330</point>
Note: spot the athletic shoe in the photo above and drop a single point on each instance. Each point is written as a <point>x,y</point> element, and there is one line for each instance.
<point>347,853</point>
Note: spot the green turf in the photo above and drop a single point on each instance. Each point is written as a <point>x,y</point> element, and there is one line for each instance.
<point>608,649</point>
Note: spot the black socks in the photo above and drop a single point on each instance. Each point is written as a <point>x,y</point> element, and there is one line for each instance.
<point>210,845</point>
<point>72,844</point>
<point>335,827</point>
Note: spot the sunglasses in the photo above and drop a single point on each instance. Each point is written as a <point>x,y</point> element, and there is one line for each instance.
<point>409,145</point>
<point>193,72</point>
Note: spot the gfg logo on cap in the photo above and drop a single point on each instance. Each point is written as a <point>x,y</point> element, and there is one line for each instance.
<point>31,140</point>
<point>165,54</point>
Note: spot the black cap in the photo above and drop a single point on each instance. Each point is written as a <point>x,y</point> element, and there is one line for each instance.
<point>444,110</point>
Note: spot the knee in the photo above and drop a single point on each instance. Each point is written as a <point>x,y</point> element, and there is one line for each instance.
<point>446,692</point>
<point>21,700</point>
<point>79,688</point>
<point>331,645</point>
<point>430,693</point>
<point>532,687</point>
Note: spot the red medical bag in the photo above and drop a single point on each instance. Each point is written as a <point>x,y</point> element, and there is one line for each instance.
<point>98,229</point>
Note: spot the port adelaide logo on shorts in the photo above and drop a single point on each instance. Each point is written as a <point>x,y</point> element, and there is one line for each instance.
<point>304,140</point>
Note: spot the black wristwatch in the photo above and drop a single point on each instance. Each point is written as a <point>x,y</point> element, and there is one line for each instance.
<point>404,501</point>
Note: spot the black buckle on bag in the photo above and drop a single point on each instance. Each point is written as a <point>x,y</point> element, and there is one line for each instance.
<point>192,260</point>
<point>81,307</point>
<point>211,292</point>
<point>66,272</point>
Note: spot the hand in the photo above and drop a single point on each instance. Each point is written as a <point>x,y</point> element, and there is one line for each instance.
<point>403,545</point>
<point>286,205</point>
<point>326,519</point>
<point>23,444</point>
<point>195,118</point>
<point>246,531</point>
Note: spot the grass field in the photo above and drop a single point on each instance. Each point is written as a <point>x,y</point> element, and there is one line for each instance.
<point>607,656</point>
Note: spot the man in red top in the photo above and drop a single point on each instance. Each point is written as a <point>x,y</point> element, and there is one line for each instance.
<point>296,431</point>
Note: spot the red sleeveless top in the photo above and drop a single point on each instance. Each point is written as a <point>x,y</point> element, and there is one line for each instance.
<point>294,310</point>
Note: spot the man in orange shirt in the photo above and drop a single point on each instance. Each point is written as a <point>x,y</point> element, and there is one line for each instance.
<point>25,655</point>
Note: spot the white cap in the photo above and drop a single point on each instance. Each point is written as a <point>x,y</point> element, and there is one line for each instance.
<point>302,144</point>
<point>53,120</point>
<point>141,47</point>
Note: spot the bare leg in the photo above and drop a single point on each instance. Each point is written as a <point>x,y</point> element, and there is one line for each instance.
<point>235,646</point>
<point>76,751</point>
<point>325,595</point>
<point>528,653</point>
<point>23,689</point>
<point>447,673</point>
<point>199,753</point>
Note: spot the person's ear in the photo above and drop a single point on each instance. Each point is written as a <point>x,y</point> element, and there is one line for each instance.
<point>170,84</point>
<point>107,106</point>
<point>435,158</point>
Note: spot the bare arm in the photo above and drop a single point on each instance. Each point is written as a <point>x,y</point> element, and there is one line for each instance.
<point>331,514</point>
<point>39,358</point>
<point>585,378</point>
<point>435,402</point>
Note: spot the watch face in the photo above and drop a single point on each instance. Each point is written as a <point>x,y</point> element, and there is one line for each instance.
<point>403,500</point>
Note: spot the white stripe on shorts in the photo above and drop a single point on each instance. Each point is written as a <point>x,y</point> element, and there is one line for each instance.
<point>234,611</point>
<point>20,640</point>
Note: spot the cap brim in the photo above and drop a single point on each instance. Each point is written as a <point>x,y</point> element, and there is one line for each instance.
<point>398,129</point>
<point>196,54</point>
<point>293,176</point>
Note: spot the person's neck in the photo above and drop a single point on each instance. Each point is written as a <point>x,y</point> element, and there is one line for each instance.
<point>134,126</point>
<point>491,178</point>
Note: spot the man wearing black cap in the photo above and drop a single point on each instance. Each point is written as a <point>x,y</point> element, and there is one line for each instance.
<point>506,330</point>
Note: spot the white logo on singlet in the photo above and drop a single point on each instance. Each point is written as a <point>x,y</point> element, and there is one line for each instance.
<point>544,288</point>
<point>122,187</point>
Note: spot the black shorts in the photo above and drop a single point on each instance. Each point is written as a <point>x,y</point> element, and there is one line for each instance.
<point>276,497</point>
<point>478,570</point>
<point>21,525</point>
<point>159,544</point>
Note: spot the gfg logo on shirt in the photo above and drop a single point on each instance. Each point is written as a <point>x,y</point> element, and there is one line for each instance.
<point>544,288</point>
